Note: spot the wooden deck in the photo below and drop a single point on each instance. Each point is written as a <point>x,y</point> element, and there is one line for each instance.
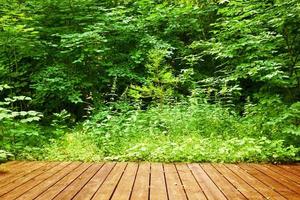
<point>117,181</point>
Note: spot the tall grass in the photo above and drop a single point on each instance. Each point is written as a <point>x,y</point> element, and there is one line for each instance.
<point>185,132</point>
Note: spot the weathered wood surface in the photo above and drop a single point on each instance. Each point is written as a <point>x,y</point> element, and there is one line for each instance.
<point>155,181</point>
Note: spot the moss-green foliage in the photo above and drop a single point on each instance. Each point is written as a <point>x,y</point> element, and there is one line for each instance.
<point>185,132</point>
<point>17,130</point>
<point>162,148</point>
<point>61,53</point>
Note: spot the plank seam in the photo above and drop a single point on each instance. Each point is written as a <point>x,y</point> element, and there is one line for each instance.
<point>213,181</point>
<point>72,181</point>
<point>102,164</point>
<point>185,192</point>
<point>18,173</point>
<point>27,180</point>
<point>273,181</point>
<point>49,178</point>
<point>150,176</point>
<point>297,192</point>
<point>198,182</point>
<point>257,180</point>
<point>247,182</point>
<point>166,184</point>
<point>289,170</point>
<point>113,192</point>
<point>138,167</point>
<point>272,169</point>
<point>46,178</point>
<point>103,181</point>
<point>228,181</point>
<point>58,180</point>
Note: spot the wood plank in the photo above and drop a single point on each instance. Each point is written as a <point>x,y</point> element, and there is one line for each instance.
<point>296,165</point>
<point>22,171</point>
<point>10,168</point>
<point>124,188</point>
<point>290,169</point>
<point>40,188</point>
<point>173,182</point>
<point>209,188</point>
<point>224,185</point>
<point>72,189</point>
<point>283,172</point>
<point>158,190</point>
<point>42,180</point>
<point>238,183</point>
<point>191,187</point>
<point>142,183</point>
<point>94,184</point>
<point>20,180</point>
<point>281,189</point>
<point>11,164</point>
<point>16,169</point>
<point>21,189</point>
<point>63,183</point>
<point>279,177</point>
<point>265,190</point>
<point>107,188</point>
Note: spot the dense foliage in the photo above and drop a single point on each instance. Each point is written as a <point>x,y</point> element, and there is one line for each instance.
<point>159,80</point>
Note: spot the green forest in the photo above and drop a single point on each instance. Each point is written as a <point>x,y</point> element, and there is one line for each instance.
<point>150,80</point>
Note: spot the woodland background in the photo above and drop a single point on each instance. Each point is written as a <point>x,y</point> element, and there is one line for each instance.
<point>154,80</point>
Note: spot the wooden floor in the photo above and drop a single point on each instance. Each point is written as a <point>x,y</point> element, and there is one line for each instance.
<point>75,180</point>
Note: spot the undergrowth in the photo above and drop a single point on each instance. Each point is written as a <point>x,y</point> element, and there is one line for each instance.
<point>186,132</point>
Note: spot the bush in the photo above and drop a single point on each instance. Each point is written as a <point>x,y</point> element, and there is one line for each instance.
<point>185,132</point>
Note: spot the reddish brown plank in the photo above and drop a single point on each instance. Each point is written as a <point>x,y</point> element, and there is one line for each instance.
<point>9,163</point>
<point>22,171</point>
<point>279,177</point>
<point>281,189</point>
<point>296,166</point>
<point>291,169</point>
<point>12,165</point>
<point>92,186</point>
<point>142,183</point>
<point>125,185</point>
<point>107,188</point>
<point>23,179</point>
<point>224,185</point>
<point>238,183</point>
<point>174,185</point>
<point>54,190</point>
<point>209,188</point>
<point>191,187</point>
<point>265,190</point>
<point>283,172</point>
<point>38,180</point>
<point>158,190</point>
<point>72,189</point>
<point>10,169</point>
<point>40,188</point>
<point>21,189</point>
